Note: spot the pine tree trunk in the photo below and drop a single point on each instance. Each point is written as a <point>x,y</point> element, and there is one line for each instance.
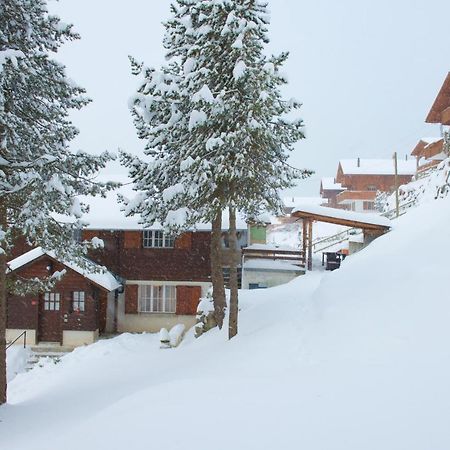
<point>233,323</point>
<point>216,270</point>
<point>2,313</point>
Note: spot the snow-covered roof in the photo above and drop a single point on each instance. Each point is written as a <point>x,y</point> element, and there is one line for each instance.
<point>363,218</point>
<point>271,264</point>
<point>104,279</point>
<point>329,184</point>
<point>105,213</point>
<point>377,166</point>
<point>431,140</point>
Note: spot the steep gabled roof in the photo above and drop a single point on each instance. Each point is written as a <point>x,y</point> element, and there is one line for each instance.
<point>441,102</point>
<point>105,280</point>
<point>361,166</point>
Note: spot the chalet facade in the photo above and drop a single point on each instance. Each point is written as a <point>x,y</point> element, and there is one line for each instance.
<point>75,312</point>
<point>361,179</point>
<point>440,110</point>
<point>329,190</point>
<point>429,152</point>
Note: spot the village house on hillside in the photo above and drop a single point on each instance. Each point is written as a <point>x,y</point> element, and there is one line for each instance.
<point>329,190</point>
<point>440,110</point>
<point>429,152</point>
<point>358,181</point>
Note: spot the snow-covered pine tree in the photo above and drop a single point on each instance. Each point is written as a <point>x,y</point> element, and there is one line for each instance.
<point>40,177</point>
<point>217,128</point>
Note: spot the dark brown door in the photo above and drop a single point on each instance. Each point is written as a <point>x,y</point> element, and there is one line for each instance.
<point>50,317</point>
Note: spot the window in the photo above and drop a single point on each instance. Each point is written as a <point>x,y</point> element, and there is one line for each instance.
<point>368,206</point>
<point>372,187</point>
<point>78,301</point>
<point>157,239</point>
<point>77,235</point>
<point>51,301</point>
<point>157,298</point>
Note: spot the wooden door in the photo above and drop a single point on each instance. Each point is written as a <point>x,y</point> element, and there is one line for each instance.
<point>50,317</point>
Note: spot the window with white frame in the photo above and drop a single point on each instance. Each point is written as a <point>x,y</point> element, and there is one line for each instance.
<point>157,239</point>
<point>78,301</point>
<point>157,298</point>
<point>51,301</point>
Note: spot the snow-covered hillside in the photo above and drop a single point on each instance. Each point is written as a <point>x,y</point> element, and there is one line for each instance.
<point>422,190</point>
<point>354,359</point>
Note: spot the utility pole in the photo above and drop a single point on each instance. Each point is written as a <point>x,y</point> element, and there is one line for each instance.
<point>397,205</point>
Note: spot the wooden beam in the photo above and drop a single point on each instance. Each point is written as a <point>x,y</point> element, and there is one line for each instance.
<point>338,221</point>
<point>304,236</point>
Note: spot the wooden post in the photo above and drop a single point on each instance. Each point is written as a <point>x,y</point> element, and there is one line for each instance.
<point>305,237</point>
<point>397,201</point>
<point>310,233</point>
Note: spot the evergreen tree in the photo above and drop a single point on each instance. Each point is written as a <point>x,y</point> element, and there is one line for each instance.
<point>40,177</point>
<point>217,128</point>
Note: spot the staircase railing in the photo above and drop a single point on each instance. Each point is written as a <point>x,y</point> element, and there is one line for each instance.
<point>24,334</point>
<point>329,241</point>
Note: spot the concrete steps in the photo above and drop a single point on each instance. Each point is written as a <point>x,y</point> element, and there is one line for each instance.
<point>44,353</point>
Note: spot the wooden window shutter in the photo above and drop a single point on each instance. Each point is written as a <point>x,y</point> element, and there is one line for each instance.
<point>132,239</point>
<point>184,241</point>
<point>131,298</point>
<point>187,300</point>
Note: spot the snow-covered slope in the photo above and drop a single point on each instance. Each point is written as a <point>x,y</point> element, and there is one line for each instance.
<point>354,359</point>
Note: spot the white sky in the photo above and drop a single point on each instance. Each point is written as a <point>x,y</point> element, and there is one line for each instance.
<point>366,72</point>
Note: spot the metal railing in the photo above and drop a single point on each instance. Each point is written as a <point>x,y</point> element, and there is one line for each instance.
<point>24,334</point>
<point>329,241</point>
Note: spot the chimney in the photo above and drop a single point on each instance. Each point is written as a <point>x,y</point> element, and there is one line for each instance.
<point>359,162</point>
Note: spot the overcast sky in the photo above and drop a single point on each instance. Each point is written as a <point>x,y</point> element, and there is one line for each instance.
<point>366,72</point>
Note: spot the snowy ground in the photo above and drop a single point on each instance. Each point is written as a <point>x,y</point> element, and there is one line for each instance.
<point>356,359</point>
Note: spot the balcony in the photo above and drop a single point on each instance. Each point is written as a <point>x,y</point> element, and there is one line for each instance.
<point>351,196</point>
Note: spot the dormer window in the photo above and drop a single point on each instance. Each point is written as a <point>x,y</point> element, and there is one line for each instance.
<point>157,239</point>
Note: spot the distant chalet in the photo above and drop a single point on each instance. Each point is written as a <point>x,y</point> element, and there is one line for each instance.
<point>358,180</point>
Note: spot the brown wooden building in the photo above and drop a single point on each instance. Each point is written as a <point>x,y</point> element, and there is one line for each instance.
<point>429,152</point>
<point>361,179</point>
<point>158,281</point>
<point>440,110</point>
<point>73,313</point>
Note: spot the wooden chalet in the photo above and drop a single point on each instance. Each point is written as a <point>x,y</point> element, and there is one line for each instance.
<point>429,152</point>
<point>329,190</point>
<point>440,110</point>
<point>360,180</point>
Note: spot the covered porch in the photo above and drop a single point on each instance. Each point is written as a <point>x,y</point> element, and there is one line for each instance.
<point>372,225</point>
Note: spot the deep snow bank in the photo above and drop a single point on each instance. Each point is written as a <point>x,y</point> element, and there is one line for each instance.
<point>354,359</point>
